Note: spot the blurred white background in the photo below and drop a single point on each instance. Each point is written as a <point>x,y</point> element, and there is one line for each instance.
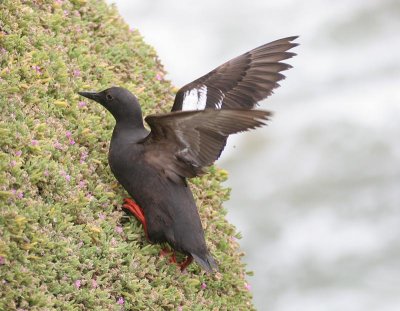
<point>316,194</point>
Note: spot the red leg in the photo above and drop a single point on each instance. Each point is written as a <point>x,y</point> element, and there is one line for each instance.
<point>136,210</point>
<point>185,263</point>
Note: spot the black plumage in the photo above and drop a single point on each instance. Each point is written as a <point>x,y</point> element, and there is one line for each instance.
<point>244,80</point>
<point>153,165</point>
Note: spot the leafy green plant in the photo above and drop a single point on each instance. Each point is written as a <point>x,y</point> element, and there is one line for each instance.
<point>65,243</point>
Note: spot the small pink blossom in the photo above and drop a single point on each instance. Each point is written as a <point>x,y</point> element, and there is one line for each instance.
<point>76,72</point>
<point>203,285</point>
<point>2,261</point>
<point>131,29</point>
<point>58,145</point>
<point>58,1</point>
<point>119,229</point>
<point>34,142</point>
<point>81,104</point>
<point>158,76</point>
<point>46,173</point>
<point>18,153</point>
<point>19,194</point>
<point>113,242</point>
<point>81,184</point>
<point>68,134</point>
<point>13,163</point>
<point>66,176</point>
<point>180,308</point>
<point>78,283</point>
<point>72,142</point>
<point>102,216</point>
<point>37,69</point>
<point>84,155</point>
<point>66,13</point>
<point>121,301</point>
<point>89,196</point>
<point>247,286</point>
<point>94,284</point>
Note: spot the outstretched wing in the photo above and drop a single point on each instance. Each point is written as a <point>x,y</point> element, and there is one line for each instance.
<point>182,143</point>
<point>240,82</point>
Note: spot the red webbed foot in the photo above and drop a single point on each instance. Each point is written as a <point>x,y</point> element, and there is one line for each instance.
<point>172,258</point>
<point>137,211</point>
<point>167,252</point>
<point>184,264</point>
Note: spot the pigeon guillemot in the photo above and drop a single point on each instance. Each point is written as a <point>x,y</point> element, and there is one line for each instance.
<point>153,165</point>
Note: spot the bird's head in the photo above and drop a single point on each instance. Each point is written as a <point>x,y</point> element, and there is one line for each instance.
<point>122,104</point>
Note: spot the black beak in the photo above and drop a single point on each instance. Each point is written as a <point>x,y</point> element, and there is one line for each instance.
<point>91,95</point>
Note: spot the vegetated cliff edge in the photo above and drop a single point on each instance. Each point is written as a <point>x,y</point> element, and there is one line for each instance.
<point>65,243</point>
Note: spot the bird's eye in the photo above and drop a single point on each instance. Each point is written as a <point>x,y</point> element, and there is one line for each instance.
<point>109,97</point>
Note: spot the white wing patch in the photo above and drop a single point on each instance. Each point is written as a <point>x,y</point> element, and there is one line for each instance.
<point>218,105</point>
<point>195,99</point>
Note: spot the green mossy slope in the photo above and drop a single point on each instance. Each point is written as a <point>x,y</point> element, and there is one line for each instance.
<point>65,243</point>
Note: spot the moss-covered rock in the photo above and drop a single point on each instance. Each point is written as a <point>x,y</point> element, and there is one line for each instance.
<point>65,243</point>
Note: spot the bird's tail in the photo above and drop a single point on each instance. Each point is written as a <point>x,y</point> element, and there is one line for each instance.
<point>207,262</point>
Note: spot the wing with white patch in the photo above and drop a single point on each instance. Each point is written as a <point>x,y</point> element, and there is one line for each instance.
<point>240,82</point>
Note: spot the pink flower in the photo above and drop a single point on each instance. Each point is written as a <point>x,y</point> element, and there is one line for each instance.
<point>13,163</point>
<point>102,216</point>
<point>76,72</point>
<point>57,145</point>
<point>37,69</point>
<point>58,1</point>
<point>247,286</point>
<point>131,29</point>
<point>203,285</point>
<point>34,142</point>
<point>46,173</point>
<point>158,76</point>
<point>180,308</point>
<point>94,284</point>
<point>2,261</point>
<point>18,153</point>
<point>78,283</point>
<point>84,155</point>
<point>113,242</point>
<point>120,301</point>
<point>119,229</point>
<point>72,142</point>
<point>81,104</point>
<point>81,184</point>
<point>19,194</point>
<point>68,134</point>
<point>66,176</point>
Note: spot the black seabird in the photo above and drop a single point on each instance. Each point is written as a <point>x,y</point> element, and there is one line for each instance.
<point>153,165</point>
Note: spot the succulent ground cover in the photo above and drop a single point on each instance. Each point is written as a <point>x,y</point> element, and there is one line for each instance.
<point>65,243</point>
